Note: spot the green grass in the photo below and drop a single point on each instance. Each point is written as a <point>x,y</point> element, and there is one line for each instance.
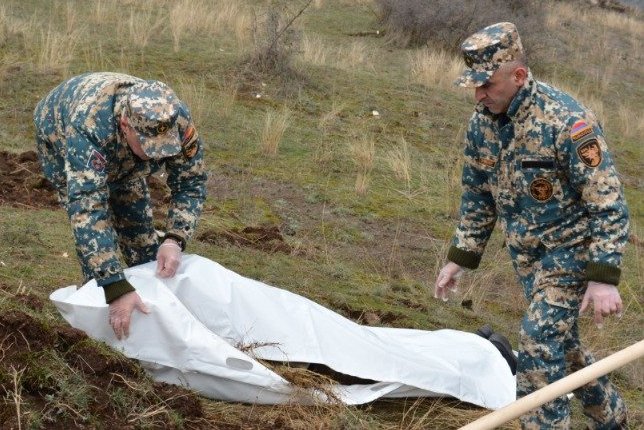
<point>375,253</point>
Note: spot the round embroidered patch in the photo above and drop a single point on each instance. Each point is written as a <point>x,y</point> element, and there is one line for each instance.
<point>541,189</point>
<point>590,153</point>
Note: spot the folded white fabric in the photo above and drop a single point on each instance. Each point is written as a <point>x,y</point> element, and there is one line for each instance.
<point>199,316</point>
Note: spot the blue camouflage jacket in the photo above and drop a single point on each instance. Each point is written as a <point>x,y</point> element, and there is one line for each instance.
<point>544,171</point>
<point>88,159</point>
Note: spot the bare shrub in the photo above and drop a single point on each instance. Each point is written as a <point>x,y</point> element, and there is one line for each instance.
<point>274,43</point>
<point>446,23</point>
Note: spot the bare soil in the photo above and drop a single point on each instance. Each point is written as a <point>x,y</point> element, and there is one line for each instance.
<point>22,183</point>
<point>32,350</point>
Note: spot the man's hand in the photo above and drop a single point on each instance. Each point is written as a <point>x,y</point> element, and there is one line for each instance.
<point>606,299</point>
<point>121,311</point>
<point>168,258</point>
<point>446,280</point>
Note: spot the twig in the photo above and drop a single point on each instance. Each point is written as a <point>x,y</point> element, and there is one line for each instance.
<point>280,32</point>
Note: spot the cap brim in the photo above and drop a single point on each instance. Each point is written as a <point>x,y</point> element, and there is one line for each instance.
<point>166,145</point>
<point>472,79</point>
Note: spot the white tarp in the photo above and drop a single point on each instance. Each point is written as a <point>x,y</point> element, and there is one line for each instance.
<point>199,316</point>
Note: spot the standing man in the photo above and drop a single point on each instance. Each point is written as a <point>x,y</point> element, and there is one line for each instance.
<point>536,161</point>
<point>99,135</point>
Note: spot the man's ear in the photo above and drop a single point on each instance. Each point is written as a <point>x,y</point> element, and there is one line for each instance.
<point>519,75</point>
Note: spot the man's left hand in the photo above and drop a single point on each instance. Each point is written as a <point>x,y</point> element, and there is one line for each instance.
<point>168,258</point>
<point>605,298</point>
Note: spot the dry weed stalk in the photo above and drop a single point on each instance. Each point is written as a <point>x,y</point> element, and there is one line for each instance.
<point>182,17</point>
<point>363,153</point>
<point>16,394</point>
<point>143,25</point>
<point>275,124</point>
<point>55,50</point>
<point>399,161</point>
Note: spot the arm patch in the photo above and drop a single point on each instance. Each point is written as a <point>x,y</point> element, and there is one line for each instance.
<point>190,143</point>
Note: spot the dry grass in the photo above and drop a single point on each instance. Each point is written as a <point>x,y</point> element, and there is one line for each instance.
<point>275,124</point>
<point>357,54</point>
<point>46,48</point>
<point>195,94</point>
<point>313,51</point>
<point>630,122</point>
<point>436,68</point>
<point>363,153</point>
<point>143,25</point>
<point>188,17</point>
<point>228,91</point>
<point>55,50</point>
<point>399,161</point>
<point>331,116</point>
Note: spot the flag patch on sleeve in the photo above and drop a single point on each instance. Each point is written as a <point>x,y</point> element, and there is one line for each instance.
<point>190,144</point>
<point>580,129</point>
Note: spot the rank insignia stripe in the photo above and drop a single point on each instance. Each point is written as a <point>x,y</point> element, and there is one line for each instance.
<point>541,189</point>
<point>590,153</point>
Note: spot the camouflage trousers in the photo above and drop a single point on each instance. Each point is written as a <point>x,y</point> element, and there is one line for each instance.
<point>549,345</point>
<point>129,211</point>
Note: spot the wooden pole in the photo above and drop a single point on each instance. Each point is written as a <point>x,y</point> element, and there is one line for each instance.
<point>558,388</point>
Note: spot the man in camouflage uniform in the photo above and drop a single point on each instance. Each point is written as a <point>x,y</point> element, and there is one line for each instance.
<point>536,160</point>
<point>99,135</point>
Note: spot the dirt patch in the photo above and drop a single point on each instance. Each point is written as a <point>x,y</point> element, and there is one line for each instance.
<point>69,381</point>
<point>371,318</point>
<point>264,238</point>
<point>22,183</point>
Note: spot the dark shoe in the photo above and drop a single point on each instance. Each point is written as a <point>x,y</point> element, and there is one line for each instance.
<point>502,344</point>
<point>485,331</point>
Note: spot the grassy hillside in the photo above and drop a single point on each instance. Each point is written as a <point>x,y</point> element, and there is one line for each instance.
<point>346,160</point>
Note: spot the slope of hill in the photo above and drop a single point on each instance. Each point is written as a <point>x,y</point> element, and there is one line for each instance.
<point>334,164</point>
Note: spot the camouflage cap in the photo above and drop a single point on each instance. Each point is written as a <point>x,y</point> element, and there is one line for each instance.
<point>486,50</point>
<point>152,111</point>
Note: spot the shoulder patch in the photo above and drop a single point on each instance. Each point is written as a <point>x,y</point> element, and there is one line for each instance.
<point>580,129</point>
<point>590,153</point>
<point>96,161</point>
<point>190,143</point>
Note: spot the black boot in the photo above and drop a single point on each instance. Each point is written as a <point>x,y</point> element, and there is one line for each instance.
<point>502,344</point>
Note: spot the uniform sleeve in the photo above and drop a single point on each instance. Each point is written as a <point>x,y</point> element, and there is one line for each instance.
<point>593,174</point>
<point>87,208</point>
<point>187,183</point>
<point>478,212</point>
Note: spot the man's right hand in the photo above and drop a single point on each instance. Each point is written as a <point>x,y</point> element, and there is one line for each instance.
<point>446,280</point>
<point>121,311</point>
